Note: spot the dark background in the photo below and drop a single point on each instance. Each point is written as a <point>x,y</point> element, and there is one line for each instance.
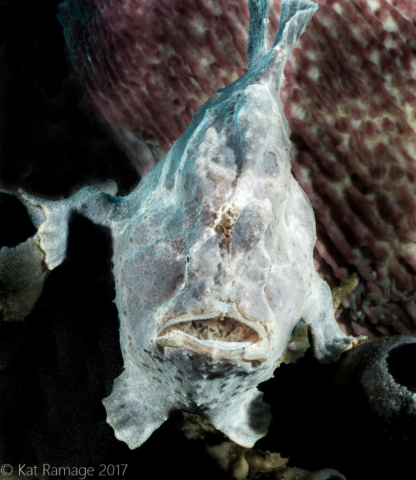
<point>51,140</point>
<point>57,365</point>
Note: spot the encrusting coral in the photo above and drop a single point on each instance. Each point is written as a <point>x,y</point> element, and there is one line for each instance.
<point>350,101</point>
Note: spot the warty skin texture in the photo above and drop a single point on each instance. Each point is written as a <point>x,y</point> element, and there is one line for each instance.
<point>218,232</point>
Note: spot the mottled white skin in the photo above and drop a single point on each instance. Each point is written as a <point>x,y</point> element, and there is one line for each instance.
<point>218,228</point>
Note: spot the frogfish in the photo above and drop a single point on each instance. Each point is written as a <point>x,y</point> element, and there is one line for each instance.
<point>212,259</point>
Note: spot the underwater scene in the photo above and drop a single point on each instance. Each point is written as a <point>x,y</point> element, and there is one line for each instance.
<point>207,239</point>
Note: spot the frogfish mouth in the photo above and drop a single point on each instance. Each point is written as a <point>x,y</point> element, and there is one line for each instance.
<point>216,336</point>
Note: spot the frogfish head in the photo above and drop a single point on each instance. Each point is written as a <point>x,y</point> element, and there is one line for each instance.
<point>220,256</point>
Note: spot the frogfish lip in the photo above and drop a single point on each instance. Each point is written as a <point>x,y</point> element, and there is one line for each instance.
<point>221,335</point>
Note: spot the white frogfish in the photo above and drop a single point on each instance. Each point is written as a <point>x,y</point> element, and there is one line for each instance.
<point>212,256</point>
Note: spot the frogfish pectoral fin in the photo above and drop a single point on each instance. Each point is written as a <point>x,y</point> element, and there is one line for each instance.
<point>136,407</point>
<point>245,419</point>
